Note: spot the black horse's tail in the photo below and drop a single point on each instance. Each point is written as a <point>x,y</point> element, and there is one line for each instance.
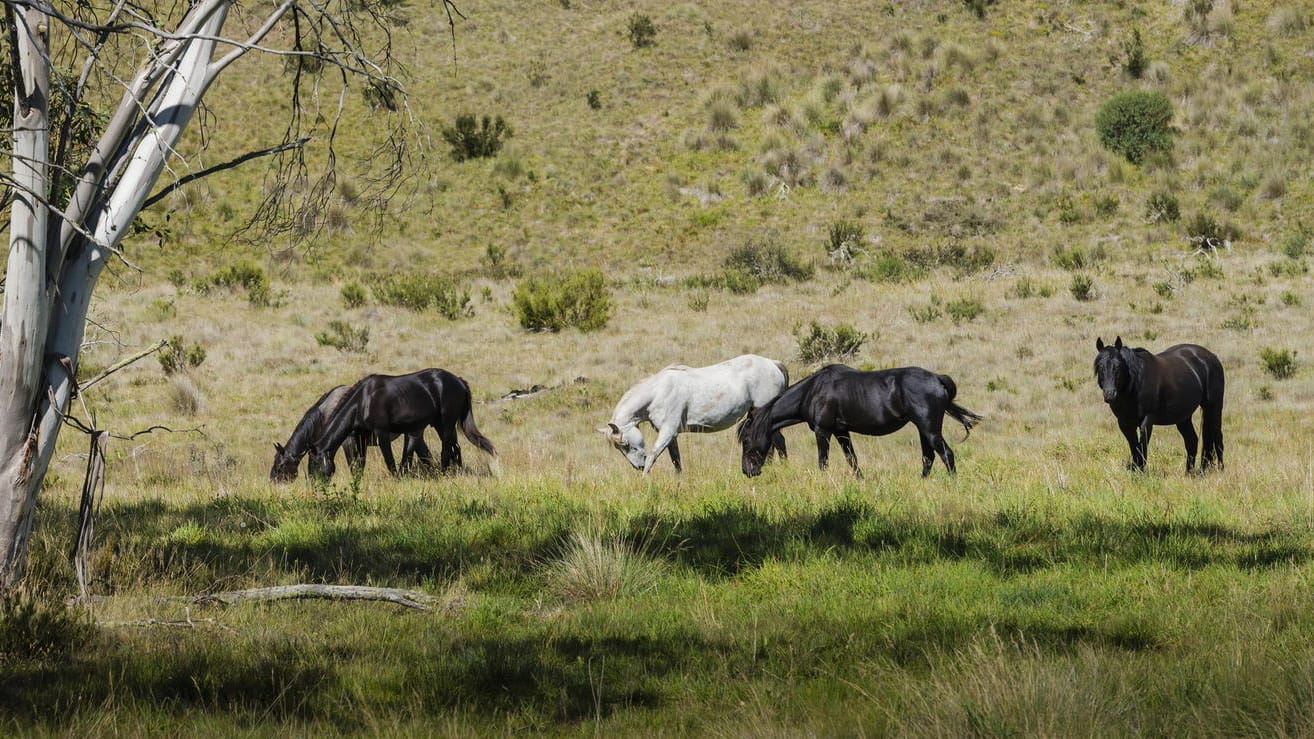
<point>472,432</point>
<point>957,412</point>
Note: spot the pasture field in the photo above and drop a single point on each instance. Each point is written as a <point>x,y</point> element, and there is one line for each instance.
<point>1044,590</point>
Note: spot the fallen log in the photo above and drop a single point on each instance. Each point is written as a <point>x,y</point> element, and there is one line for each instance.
<point>408,598</point>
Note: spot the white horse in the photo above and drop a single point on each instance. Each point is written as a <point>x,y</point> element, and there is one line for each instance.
<point>699,399</point>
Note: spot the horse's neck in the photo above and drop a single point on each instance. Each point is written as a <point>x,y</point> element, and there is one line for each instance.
<point>787,408</point>
<point>340,425</point>
<point>634,404</point>
<point>311,425</point>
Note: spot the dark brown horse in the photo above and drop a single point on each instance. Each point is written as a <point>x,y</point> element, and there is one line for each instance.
<point>401,404</point>
<point>838,400</point>
<point>287,458</point>
<point>1145,390</point>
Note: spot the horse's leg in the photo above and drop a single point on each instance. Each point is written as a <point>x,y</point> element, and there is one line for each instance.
<point>846,444</point>
<point>353,448</point>
<point>1191,441</point>
<point>823,447</point>
<point>665,436</point>
<point>385,449</point>
<point>423,457</point>
<point>928,452</point>
<point>674,450</point>
<point>1211,426</point>
<point>946,454</point>
<point>1130,431</point>
<point>450,452</point>
<point>1147,429</point>
<point>778,444</point>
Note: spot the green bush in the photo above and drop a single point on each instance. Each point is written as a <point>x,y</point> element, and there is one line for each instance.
<point>839,342</point>
<point>177,355</point>
<point>755,264</point>
<point>1162,207</point>
<point>844,242</point>
<point>344,337</point>
<point>420,291</point>
<point>641,31</point>
<point>353,295</point>
<point>1082,288</point>
<point>476,140</point>
<point>1136,59</point>
<point>1280,363</point>
<point>243,275</point>
<point>1134,124</point>
<point>890,267</point>
<point>1207,232</point>
<point>553,302</point>
<point>964,309</point>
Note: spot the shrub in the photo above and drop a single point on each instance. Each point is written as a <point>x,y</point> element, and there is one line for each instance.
<point>758,263</point>
<point>1136,60</point>
<point>844,242</point>
<point>594,99</point>
<point>1082,288</point>
<point>889,267</point>
<point>419,291</point>
<point>1280,363</point>
<point>177,355</point>
<point>1206,232</point>
<point>838,342</point>
<point>1134,124</point>
<point>1074,258</point>
<point>497,264</point>
<point>476,140</point>
<point>1162,207</point>
<point>964,309</point>
<point>641,31</point>
<point>1026,288</point>
<point>344,337</point>
<point>353,295</point>
<point>245,275</point>
<point>978,7</point>
<point>553,302</point>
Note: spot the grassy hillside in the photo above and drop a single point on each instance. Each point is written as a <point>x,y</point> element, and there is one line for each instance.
<point>941,175</point>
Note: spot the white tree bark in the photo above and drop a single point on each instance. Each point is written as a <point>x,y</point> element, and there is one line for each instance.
<point>53,267</point>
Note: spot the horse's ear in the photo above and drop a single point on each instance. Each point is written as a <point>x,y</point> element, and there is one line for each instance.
<point>1099,344</point>
<point>278,447</point>
<point>1117,343</point>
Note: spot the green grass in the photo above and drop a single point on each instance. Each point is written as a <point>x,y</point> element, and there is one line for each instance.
<point>929,614</point>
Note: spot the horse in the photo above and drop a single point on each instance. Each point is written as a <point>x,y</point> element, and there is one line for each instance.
<point>401,404</point>
<point>288,457</point>
<point>697,399</point>
<point>839,400</point>
<point>1145,390</point>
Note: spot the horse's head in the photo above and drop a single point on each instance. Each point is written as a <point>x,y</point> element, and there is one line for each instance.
<point>629,442</point>
<point>285,465</point>
<point>320,465</point>
<point>1112,370</point>
<point>755,438</point>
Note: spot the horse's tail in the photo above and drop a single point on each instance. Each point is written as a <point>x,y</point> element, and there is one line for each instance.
<point>783,371</point>
<point>957,412</point>
<point>472,432</point>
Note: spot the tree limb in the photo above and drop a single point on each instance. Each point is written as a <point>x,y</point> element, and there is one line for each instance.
<point>409,598</point>
<point>157,197</point>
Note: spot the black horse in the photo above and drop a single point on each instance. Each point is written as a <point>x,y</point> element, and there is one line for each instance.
<point>288,457</point>
<point>401,404</point>
<point>1145,390</point>
<point>839,400</point>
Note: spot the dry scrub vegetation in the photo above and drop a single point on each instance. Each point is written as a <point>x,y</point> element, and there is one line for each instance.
<point>928,178</point>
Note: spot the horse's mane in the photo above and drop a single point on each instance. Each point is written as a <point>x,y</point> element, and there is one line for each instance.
<point>751,427</point>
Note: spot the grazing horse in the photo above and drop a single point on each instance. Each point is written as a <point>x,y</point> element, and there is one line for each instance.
<point>288,457</point>
<point>1145,390</point>
<point>699,399</point>
<point>839,400</point>
<point>401,404</point>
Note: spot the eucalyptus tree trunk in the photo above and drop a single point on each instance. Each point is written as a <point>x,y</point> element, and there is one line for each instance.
<point>55,258</point>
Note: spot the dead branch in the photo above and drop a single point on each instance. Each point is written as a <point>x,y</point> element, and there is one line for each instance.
<point>409,598</point>
<point>123,363</point>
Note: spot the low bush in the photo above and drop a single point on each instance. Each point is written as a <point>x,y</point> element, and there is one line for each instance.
<point>177,355</point>
<point>471,139</point>
<point>344,337</point>
<point>1280,363</point>
<point>818,342</point>
<point>1162,207</point>
<point>755,264</point>
<point>353,295</point>
<point>641,31</point>
<point>1083,288</point>
<point>577,299</point>
<point>420,291</point>
<point>964,309</point>
<point>243,275</point>
<point>1135,124</point>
